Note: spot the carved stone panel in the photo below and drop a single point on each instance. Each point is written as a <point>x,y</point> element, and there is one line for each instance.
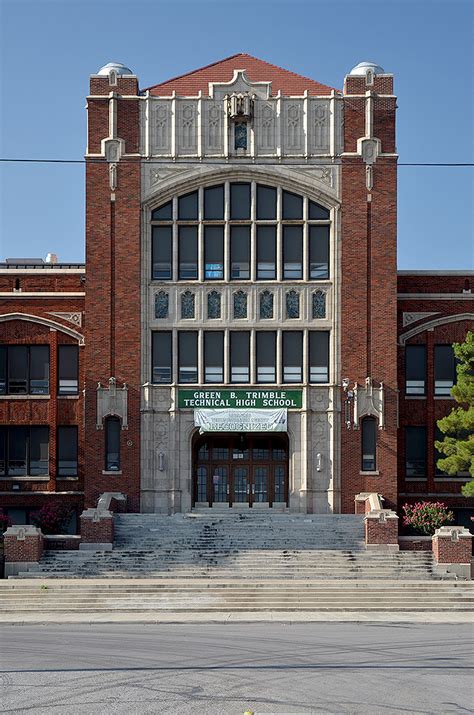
<point>319,127</point>
<point>265,124</point>
<point>214,128</point>
<point>161,128</point>
<point>112,401</point>
<point>187,127</point>
<point>293,127</point>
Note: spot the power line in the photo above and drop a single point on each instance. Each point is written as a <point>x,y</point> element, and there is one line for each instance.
<point>160,162</point>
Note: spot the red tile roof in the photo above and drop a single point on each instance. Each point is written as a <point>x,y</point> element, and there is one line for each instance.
<point>289,83</point>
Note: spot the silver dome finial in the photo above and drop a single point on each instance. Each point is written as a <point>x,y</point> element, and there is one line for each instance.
<point>360,70</point>
<point>116,67</point>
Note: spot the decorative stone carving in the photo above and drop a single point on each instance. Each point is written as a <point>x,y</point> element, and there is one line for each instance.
<point>161,304</point>
<point>409,318</point>
<point>240,304</point>
<point>74,318</point>
<point>187,305</point>
<point>213,305</point>
<point>293,128</point>
<point>239,84</point>
<point>265,129</point>
<point>187,128</point>
<point>112,402</point>
<point>162,127</point>
<point>292,304</point>
<point>266,304</point>
<point>318,305</point>
<point>369,401</point>
<point>320,127</point>
<point>240,105</point>
<point>214,127</point>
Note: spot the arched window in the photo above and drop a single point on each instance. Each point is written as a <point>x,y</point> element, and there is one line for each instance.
<point>369,440</point>
<point>112,444</point>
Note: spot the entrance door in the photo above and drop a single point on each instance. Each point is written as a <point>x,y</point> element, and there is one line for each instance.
<point>240,469</point>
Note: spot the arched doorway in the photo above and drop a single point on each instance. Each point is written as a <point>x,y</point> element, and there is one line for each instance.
<point>244,469</point>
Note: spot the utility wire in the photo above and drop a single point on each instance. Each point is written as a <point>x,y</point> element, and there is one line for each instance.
<point>200,163</point>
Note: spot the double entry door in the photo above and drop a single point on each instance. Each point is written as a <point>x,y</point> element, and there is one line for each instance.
<point>241,469</point>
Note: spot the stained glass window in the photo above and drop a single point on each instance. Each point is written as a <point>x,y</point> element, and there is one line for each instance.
<point>213,304</point>
<point>187,305</point>
<point>240,136</point>
<point>240,304</point>
<point>292,304</point>
<point>266,304</point>
<point>161,304</point>
<point>319,304</point>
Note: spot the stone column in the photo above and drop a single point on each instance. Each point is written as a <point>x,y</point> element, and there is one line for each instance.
<point>381,530</point>
<point>97,530</point>
<point>23,547</point>
<point>452,550</point>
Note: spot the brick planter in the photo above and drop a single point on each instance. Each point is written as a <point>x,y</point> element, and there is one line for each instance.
<point>23,548</point>
<point>452,550</point>
<point>97,530</point>
<point>381,530</point>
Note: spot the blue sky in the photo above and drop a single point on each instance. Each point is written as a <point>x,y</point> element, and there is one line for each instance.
<point>49,48</point>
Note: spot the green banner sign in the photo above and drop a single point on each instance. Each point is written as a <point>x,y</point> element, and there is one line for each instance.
<point>255,399</point>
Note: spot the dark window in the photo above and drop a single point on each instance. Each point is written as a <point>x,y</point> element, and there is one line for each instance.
<point>214,203</point>
<point>240,252</point>
<point>266,357</point>
<point>163,213</point>
<point>266,252</point>
<point>444,370</point>
<point>266,202</point>
<point>3,369</point>
<point>318,356</point>
<point>162,251</point>
<point>415,358</point>
<point>292,206</point>
<point>415,451</point>
<point>24,369</point>
<point>188,357</point>
<point>214,357</point>
<point>317,212</point>
<point>240,356</point>
<point>112,444</point>
<point>188,252</point>
<point>68,366</point>
<point>24,451</point>
<point>214,252</point>
<point>293,252</point>
<point>67,451</point>
<point>292,356</point>
<point>318,252</point>
<point>369,439</point>
<point>188,207</point>
<point>239,201</point>
<point>39,369</point>
<point>161,368</point>
<point>18,369</point>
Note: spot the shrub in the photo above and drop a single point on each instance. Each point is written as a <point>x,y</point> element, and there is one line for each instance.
<point>52,518</point>
<point>5,522</point>
<point>425,517</point>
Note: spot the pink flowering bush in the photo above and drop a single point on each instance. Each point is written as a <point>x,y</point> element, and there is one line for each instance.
<point>52,518</point>
<point>425,517</point>
<point>5,522</point>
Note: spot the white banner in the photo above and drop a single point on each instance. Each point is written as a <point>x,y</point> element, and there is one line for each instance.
<point>241,420</point>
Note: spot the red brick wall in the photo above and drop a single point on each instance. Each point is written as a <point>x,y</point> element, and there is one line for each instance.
<point>28,549</point>
<point>447,551</point>
<point>97,532</point>
<point>377,532</point>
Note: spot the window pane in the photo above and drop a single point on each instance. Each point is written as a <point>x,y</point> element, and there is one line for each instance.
<point>187,305</point>
<point>162,240</point>
<point>188,252</point>
<point>266,202</point>
<point>213,305</point>
<point>293,252</point>
<point>18,369</point>
<point>292,206</point>
<point>239,201</point>
<point>266,354</point>
<point>201,484</point>
<point>3,451</point>
<point>67,451</point>
<point>368,444</point>
<point>188,357</point>
<point>315,212</point>
<point>3,369</point>
<point>17,450</point>
<point>240,356</point>
<point>39,450</point>
<point>161,372</point>
<point>444,370</point>
<point>39,370</point>
<point>214,203</point>
<point>318,252</point>
<point>214,357</point>
<point>415,369</point>
<point>188,207</point>
<point>292,356</point>
<point>68,379</point>
<point>214,252</point>
<point>318,356</point>
<point>112,444</point>
<point>415,451</point>
<point>266,252</point>
<point>163,213</point>
<point>240,252</point>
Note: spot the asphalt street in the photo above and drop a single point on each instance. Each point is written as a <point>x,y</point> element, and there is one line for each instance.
<point>225,669</point>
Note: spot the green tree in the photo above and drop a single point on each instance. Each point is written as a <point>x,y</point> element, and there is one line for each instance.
<point>458,427</point>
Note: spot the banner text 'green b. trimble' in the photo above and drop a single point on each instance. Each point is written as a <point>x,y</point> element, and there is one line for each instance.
<point>255,399</point>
